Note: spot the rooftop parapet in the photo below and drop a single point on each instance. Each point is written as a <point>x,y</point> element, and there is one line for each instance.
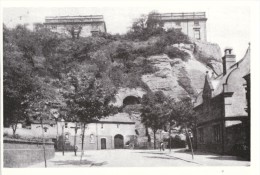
<point>74,19</point>
<point>181,16</point>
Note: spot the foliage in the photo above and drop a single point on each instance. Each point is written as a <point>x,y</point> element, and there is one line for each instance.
<point>152,111</point>
<point>17,80</point>
<point>176,142</point>
<point>180,114</point>
<point>145,27</point>
<point>89,100</point>
<point>174,52</point>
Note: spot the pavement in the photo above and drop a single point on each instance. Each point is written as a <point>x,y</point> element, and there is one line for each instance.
<point>139,158</point>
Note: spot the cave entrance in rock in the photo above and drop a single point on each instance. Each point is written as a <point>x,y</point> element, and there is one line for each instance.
<point>131,100</point>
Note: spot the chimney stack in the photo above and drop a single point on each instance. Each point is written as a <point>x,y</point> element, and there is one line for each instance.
<point>228,59</point>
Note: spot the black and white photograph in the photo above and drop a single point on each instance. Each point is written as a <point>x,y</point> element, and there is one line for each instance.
<point>149,85</point>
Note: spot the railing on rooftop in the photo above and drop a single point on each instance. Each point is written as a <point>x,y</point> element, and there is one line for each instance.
<point>191,15</point>
<point>74,19</point>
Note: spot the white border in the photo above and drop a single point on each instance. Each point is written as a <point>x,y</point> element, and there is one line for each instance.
<point>255,63</point>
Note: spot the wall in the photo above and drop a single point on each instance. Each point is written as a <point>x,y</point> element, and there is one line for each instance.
<point>85,32</point>
<point>206,121</point>
<point>21,153</point>
<point>209,144</point>
<point>108,132</point>
<point>187,27</point>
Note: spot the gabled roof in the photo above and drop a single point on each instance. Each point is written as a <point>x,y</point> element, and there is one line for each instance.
<point>218,82</point>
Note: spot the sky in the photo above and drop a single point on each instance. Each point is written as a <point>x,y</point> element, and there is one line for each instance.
<point>228,26</point>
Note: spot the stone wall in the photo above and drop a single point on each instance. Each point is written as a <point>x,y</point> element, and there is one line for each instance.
<point>93,142</point>
<point>22,153</point>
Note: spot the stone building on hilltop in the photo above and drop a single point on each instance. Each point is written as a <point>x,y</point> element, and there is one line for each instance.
<point>192,24</point>
<point>223,122</point>
<point>76,26</point>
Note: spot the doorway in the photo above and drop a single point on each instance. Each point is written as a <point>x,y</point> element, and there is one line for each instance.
<point>119,141</point>
<point>103,143</point>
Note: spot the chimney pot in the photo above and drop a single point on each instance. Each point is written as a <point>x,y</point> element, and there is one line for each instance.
<point>228,60</point>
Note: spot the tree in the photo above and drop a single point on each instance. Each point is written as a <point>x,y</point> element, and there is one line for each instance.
<point>152,114</point>
<point>182,114</point>
<point>17,81</point>
<point>74,30</point>
<point>146,26</point>
<point>90,99</point>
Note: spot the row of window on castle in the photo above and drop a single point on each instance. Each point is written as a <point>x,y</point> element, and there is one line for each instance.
<point>91,138</point>
<point>102,125</point>
<point>196,23</point>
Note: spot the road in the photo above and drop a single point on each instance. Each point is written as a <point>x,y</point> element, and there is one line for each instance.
<point>138,158</point>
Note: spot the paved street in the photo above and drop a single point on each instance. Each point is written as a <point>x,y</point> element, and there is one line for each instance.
<point>140,158</point>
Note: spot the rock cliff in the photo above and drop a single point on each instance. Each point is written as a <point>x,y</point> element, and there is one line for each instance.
<point>180,79</point>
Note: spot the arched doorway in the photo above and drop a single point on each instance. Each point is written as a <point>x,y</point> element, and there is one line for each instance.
<point>119,141</point>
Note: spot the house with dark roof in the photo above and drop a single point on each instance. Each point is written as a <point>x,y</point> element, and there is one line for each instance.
<point>223,121</point>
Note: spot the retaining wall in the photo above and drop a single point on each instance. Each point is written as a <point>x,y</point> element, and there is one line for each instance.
<point>22,153</point>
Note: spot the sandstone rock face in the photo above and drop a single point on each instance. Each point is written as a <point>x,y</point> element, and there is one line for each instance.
<point>180,79</point>
<point>208,53</point>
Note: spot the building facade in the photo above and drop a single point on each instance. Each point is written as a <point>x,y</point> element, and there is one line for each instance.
<point>192,24</point>
<point>223,123</point>
<point>77,26</point>
<point>113,132</point>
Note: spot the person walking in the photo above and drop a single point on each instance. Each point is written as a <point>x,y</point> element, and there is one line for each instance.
<point>162,146</point>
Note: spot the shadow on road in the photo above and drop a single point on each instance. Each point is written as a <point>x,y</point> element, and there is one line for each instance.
<point>227,158</point>
<point>151,153</point>
<point>77,162</point>
<point>171,158</point>
<point>186,151</point>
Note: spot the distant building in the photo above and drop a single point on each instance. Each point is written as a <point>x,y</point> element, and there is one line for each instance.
<point>223,122</point>
<point>113,132</point>
<point>82,26</point>
<point>192,24</point>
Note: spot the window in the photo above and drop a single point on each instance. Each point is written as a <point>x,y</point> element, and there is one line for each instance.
<point>201,135</point>
<point>45,129</point>
<point>67,136</point>
<point>196,23</point>
<point>197,34</point>
<point>66,125</point>
<point>92,138</point>
<point>216,131</point>
<point>178,23</point>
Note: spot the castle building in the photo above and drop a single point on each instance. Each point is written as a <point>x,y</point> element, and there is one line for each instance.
<point>223,121</point>
<point>192,24</point>
<point>76,26</point>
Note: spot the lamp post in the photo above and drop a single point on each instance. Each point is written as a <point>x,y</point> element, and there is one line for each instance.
<point>76,129</point>
<point>56,116</point>
<point>62,125</point>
